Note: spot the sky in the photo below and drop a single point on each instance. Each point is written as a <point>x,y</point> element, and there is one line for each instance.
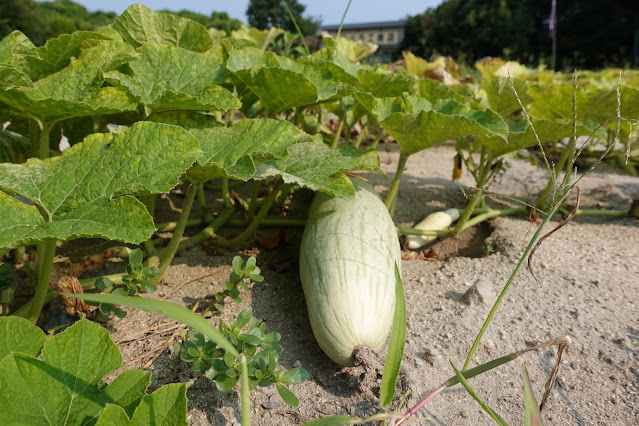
<point>329,11</point>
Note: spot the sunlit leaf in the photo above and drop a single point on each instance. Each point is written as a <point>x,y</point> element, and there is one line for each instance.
<point>17,335</point>
<point>138,24</point>
<point>64,387</point>
<point>166,405</point>
<point>234,151</point>
<point>168,77</point>
<point>315,166</point>
<point>74,91</point>
<point>87,191</point>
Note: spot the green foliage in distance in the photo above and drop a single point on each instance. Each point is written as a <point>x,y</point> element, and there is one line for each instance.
<point>263,14</point>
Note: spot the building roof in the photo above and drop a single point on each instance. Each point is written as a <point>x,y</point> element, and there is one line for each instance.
<point>365,25</point>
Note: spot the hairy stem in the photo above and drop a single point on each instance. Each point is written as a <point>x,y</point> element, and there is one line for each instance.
<point>226,194</point>
<point>201,199</point>
<point>208,232</point>
<point>468,211</point>
<point>360,137</point>
<point>338,132</point>
<point>286,189</point>
<point>273,222</point>
<point>250,230</point>
<point>171,248</point>
<point>246,400</point>
<point>391,197</point>
<point>253,203</point>
<point>482,177</point>
<point>39,298</point>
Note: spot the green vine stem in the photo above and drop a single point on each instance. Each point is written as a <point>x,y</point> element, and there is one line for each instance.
<point>266,222</point>
<point>468,211</point>
<point>391,198</point>
<point>226,194</point>
<point>252,227</point>
<point>380,135</point>
<point>208,232</point>
<point>483,175</point>
<point>286,190</point>
<point>46,265</point>
<point>87,284</point>
<point>481,217</point>
<point>596,212</point>
<point>272,223</point>
<point>201,199</point>
<point>338,132</point>
<point>171,248</point>
<point>6,298</point>
<point>246,400</point>
<point>363,132</point>
<point>253,203</point>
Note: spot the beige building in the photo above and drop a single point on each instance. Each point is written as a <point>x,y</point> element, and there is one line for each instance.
<point>388,35</point>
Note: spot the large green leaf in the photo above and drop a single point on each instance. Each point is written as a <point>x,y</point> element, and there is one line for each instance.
<point>599,105</point>
<point>340,67</point>
<point>261,38</point>
<point>18,335</point>
<point>233,151</point>
<point>65,387</point>
<point>315,166</point>
<point>58,52</point>
<point>381,84</point>
<point>282,83</point>
<point>427,124</point>
<point>87,191</point>
<point>328,87</point>
<point>138,24</point>
<point>168,77</point>
<point>501,97</point>
<point>165,406</point>
<point>76,90</point>
<point>17,51</point>
<point>14,148</point>
<point>521,135</point>
<point>353,51</point>
<point>433,90</point>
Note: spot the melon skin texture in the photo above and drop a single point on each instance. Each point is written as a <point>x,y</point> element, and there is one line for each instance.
<point>347,268</point>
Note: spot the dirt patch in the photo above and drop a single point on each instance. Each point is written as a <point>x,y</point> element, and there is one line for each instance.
<point>588,288</point>
<point>470,243</point>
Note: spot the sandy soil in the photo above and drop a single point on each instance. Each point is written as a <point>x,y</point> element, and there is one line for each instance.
<point>587,288</point>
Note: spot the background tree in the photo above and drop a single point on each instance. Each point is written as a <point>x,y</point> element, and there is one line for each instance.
<point>219,20</point>
<point>25,16</point>
<point>471,29</point>
<point>264,14</point>
<point>41,21</point>
<point>590,33</point>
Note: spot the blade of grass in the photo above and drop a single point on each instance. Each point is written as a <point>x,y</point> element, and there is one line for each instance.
<point>341,23</point>
<point>532,416</point>
<point>166,309</point>
<point>246,400</point>
<point>472,372</point>
<point>476,397</point>
<point>297,27</point>
<point>395,346</point>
